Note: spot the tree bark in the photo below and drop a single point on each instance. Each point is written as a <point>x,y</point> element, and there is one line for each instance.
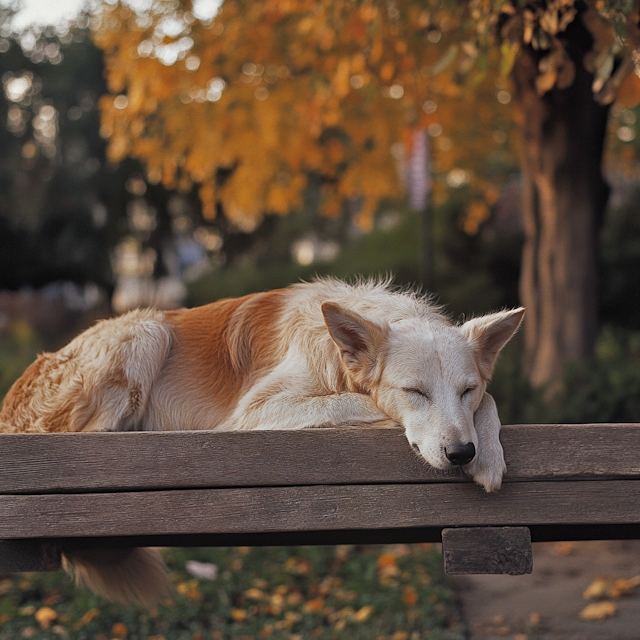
<point>564,198</point>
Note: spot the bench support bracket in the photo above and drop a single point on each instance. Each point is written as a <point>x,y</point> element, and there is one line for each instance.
<point>490,550</point>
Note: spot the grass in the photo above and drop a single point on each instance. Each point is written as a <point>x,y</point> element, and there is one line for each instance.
<point>395,592</point>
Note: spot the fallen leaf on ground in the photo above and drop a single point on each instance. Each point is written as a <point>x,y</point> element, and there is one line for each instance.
<point>564,548</point>
<point>239,615</point>
<point>603,587</point>
<point>623,587</point>
<point>598,610</point>
<point>45,616</point>
<point>313,606</point>
<point>410,596</point>
<point>598,588</point>
<point>87,618</point>
<point>363,614</point>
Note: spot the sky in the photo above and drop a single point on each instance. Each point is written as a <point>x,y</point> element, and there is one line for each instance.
<point>44,12</point>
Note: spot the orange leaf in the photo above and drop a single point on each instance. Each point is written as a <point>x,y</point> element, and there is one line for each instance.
<point>410,596</point>
<point>314,606</point>
<point>598,610</point>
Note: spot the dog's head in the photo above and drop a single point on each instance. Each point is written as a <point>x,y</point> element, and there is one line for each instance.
<point>428,375</point>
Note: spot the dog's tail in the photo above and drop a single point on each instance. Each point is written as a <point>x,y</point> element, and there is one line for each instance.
<point>128,576</point>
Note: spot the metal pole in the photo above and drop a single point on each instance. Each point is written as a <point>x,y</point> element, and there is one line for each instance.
<point>426,266</point>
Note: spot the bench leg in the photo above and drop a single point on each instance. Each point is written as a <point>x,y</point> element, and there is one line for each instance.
<point>17,556</point>
<point>490,550</point>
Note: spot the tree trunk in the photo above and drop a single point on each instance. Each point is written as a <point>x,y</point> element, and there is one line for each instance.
<point>564,198</point>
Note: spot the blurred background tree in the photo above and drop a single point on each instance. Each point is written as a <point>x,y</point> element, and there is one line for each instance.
<point>253,99</point>
<point>146,146</point>
<point>217,115</point>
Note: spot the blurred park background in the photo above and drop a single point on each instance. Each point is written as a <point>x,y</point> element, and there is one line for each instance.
<point>173,152</point>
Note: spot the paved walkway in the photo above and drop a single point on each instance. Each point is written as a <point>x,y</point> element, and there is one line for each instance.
<point>546,605</point>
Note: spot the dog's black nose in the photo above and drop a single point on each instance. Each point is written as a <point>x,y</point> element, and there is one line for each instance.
<point>461,453</point>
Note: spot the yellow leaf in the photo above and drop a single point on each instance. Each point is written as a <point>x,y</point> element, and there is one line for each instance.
<point>87,618</point>
<point>597,589</point>
<point>45,616</point>
<point>598,610</point>
<point>623,587</point>
<point>119,629</point>
<point>363,614</point>
<point>239,615</point>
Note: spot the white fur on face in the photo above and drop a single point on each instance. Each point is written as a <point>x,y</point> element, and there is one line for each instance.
<point>431,384</point>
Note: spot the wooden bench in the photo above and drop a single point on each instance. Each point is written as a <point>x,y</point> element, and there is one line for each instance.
<point>322,486</point>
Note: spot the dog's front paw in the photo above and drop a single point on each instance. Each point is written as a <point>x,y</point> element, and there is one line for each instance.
<point>488,473</point>
<point>488,467</point>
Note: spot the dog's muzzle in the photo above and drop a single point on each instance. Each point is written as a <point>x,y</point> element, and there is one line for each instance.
<point>461,454</point>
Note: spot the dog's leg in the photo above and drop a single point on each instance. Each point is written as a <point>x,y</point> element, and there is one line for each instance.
<point>278,402</point>
<point>488,467</point>
<point>291,411</point>
<point>99,382</point>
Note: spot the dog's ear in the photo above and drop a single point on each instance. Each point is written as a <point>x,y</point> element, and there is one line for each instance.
<point>488,334</point>
<point>358,339</point>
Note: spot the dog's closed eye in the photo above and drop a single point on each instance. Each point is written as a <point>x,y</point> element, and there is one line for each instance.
<point>467,391</point>
<point>418,392</point>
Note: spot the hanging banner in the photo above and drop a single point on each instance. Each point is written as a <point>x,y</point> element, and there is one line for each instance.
<point>419,170</point>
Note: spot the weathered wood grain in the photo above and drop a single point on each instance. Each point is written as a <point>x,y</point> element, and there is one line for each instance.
<point>487,550</point>
<point>41,463</point>
<point>281,509</point>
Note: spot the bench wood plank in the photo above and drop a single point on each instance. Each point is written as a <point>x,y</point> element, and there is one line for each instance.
<point>41,463</point>
<point>273,509</point>
<point>487,550</point>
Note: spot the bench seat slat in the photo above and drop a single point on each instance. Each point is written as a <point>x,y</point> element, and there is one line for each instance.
<point>273,509</point>
<point>55,463</point>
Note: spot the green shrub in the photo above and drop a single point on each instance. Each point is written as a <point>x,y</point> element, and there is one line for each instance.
<point>605,388</point>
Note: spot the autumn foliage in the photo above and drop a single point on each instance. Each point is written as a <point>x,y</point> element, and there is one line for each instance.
<point>269,93</point>
<point>249,103</point>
